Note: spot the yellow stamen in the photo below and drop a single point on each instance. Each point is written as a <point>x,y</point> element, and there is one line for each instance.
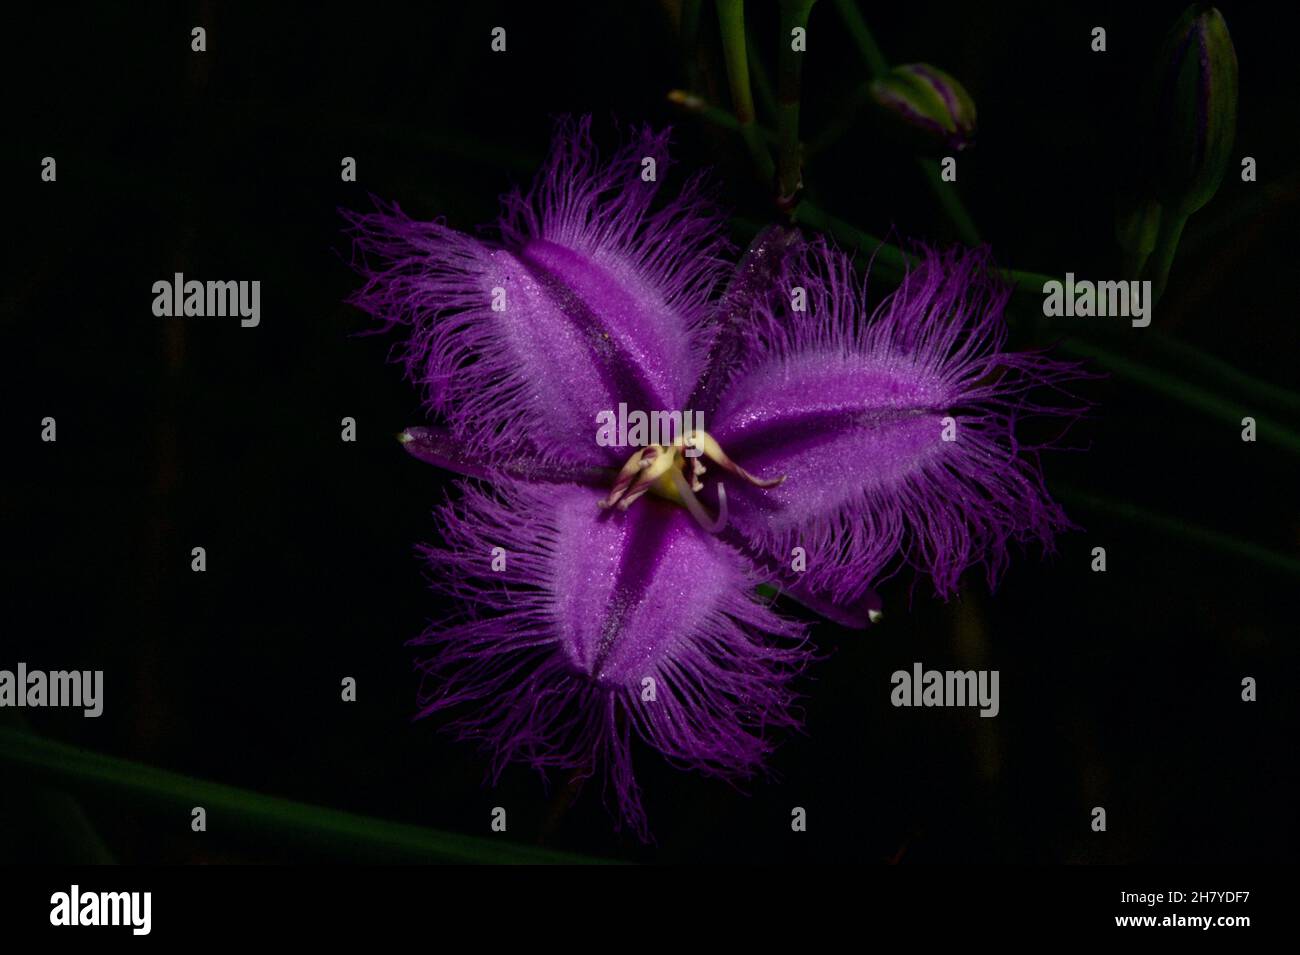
<point>662,470</point>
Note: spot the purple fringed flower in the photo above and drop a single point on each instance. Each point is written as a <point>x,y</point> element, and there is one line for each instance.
<point>611,593</point>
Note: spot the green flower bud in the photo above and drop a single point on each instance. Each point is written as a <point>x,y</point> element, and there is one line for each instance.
<point>1191,104</point>
<point>929,100</point>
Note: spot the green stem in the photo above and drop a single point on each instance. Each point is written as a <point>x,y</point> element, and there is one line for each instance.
<point>58,814</point>
<point>758,74</point>
<point>794,15</point>
<point>1207,365</point>
<point>712,114</point>
<point>1224,409</point>
<point>24,754</point>
<point>1162,259</point>
<point>953,207</point>
<point>1180,528</point>
<point>1202,365</point>
<point>894,259</point>
<point>1029,283</point>
<point>731,23</point>
<point>875,60</point>
<point>690,34</point>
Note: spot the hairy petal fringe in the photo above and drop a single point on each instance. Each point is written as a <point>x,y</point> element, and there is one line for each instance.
<point>851,405</point>
<point>606,290</point>
<point>677,247</point>
<point>548,661</point>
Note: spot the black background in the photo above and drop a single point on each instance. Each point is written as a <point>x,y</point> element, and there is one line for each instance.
<point>1119,689</point>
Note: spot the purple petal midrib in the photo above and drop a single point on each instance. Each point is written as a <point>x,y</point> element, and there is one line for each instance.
<point>762,433</point>
<point>637,567</point>
<point>620,373</point>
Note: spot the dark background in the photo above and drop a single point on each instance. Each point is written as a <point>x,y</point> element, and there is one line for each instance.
<point>1119,689</point>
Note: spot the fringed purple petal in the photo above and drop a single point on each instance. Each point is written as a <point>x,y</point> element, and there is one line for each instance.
<point>552,661</point>
<point>852,410</point>
<point>646,268</point>
<point>601,296</point>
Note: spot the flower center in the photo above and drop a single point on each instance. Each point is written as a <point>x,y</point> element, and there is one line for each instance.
<point>661,469</point>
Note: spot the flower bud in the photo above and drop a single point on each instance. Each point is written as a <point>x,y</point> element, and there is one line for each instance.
<point>929,100</point>
<point>1191,104</point>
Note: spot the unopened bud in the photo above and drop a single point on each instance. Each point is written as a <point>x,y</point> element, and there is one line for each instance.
<point>1191,103</point>
<point>929,100</point>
